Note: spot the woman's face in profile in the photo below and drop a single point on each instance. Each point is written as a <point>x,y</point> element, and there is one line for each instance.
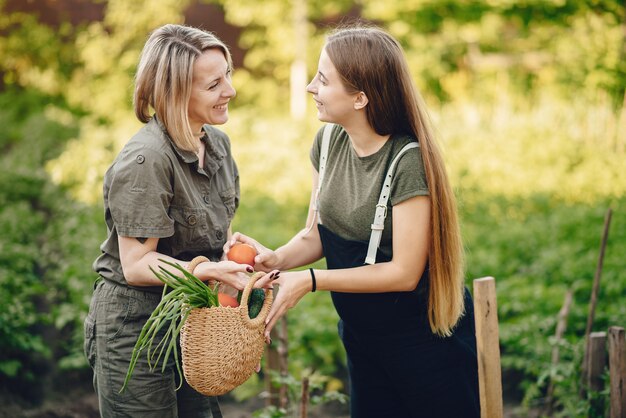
<point>334,104</point>
<point>211,90</point>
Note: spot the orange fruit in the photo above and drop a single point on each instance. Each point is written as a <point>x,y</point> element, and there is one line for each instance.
<point>242,254</point>
<point>227,300</point>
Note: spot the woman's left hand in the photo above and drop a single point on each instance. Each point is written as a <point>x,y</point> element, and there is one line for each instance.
<point>292,287</point>
<point>265,259</point>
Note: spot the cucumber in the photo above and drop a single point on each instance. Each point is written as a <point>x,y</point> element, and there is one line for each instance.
<point>255,302</point>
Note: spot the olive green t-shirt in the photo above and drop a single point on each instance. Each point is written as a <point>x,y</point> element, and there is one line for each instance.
<point>153,189</point>
<point>352,184</point>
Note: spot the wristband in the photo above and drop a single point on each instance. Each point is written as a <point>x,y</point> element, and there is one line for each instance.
<point>313,283</point>
<point>194,263</point>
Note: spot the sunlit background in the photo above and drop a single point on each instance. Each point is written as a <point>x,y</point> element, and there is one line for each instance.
<point>527,98</point>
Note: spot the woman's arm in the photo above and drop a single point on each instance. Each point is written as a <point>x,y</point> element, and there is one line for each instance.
<point>303,249</point>
<point>137,258</point>
<point>411,239</point>
<point>411,235</point>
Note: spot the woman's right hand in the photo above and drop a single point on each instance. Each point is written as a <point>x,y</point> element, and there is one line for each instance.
<point>265,259</point>
<point>231,273</point>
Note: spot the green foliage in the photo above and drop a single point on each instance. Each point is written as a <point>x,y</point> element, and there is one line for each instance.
<point>47,244</point>
<point>527,97</point>
<point>458,47</point>
<point>537,249</point>
<point>318,394</point>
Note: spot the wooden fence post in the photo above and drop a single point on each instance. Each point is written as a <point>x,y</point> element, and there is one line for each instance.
<point>617,372</point>
<point>594,300</point>
<point>596,363</point>
<point>272,364</point>
<point>304,397</point>
<point>276,361</point>
<point>597,360</point>
<point>561,325</point>
<point>488,348</point>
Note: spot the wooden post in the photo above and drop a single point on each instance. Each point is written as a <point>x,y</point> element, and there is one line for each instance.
<point>272,365</point>
<point>594,299</point>
<point>597,360</point>
<point>488,348</point>
<point>558,336</point>
<point>617,372</point>
<point>596,366</point>
<point>277,361</point>
<point>283,351</point>
<point>304,397</point>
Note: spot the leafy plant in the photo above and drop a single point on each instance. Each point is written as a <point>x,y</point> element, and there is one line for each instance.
<point>187,292</point>
<point>317,389</point>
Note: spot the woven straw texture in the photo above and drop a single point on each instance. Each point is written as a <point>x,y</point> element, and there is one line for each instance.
<point>221,346</point>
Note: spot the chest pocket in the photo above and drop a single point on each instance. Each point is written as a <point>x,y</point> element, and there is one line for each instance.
<point>228,198</point>
<point>191,229</point>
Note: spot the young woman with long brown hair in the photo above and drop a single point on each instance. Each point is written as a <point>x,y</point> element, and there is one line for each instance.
<point>386,222</point>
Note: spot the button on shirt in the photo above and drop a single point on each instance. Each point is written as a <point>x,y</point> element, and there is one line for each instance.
<point>155,190</point>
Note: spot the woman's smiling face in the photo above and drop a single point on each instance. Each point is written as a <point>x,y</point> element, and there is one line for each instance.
<point>211,90</point>
<point>334,103</point>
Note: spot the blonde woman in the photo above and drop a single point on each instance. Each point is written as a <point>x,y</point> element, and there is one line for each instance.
<point>170,194</point>
<point>393,250</point>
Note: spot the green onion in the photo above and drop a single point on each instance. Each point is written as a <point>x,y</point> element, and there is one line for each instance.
<point>186,293</point>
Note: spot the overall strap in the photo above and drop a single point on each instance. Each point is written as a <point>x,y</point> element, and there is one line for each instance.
<point>381,208</point>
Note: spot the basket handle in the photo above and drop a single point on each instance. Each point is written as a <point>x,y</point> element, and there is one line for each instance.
<point>243,305</point>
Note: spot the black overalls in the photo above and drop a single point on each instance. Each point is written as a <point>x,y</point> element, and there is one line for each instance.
<point>398,367</point>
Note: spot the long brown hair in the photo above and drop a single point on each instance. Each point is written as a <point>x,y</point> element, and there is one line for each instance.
<point>164,77</point>
<point>370,60</point>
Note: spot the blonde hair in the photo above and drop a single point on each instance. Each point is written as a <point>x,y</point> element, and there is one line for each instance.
<point>372,61</point>
<point>164,77</point>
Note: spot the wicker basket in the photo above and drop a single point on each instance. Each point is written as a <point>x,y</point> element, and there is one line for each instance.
<point>221,346</point>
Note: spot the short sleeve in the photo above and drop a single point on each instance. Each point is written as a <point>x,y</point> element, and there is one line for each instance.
<point>316,149</point>
<point>140,193</point>
<point>409,178</point>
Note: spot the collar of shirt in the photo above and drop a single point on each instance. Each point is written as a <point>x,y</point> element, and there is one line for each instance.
<point>216,156</point>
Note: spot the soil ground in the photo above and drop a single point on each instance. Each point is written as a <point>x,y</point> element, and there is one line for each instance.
<point>82,403</point>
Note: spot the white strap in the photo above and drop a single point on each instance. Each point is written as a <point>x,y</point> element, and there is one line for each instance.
<point>321,170</point>
<point>381,208</point>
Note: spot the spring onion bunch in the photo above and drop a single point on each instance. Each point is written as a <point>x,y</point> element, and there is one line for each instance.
<point>185,293</point>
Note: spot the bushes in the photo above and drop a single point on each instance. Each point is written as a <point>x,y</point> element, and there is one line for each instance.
<point>47,245</point>
<point>537,249</point>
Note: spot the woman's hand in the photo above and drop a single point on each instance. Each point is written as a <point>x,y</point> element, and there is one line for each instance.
<point>265,259</point>
<point>232,274</point>
<point>293,287</point>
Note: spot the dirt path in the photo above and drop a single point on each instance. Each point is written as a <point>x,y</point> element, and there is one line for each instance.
<point>84,404</point>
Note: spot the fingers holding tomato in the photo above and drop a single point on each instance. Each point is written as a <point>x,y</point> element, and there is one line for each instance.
<point>242,253</point>
<point>264,259</point>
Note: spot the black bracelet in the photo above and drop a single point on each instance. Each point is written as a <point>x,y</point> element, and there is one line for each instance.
<point>313,283</point>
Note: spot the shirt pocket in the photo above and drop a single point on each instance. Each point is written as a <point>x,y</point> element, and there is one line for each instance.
<point>191,229</point>
<point>228,198</point>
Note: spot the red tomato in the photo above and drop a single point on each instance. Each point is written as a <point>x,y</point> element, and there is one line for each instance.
<point>242,254</point>
<point>227,300</point>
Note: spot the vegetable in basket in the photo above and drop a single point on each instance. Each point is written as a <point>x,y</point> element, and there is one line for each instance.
<point>181,294</point>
